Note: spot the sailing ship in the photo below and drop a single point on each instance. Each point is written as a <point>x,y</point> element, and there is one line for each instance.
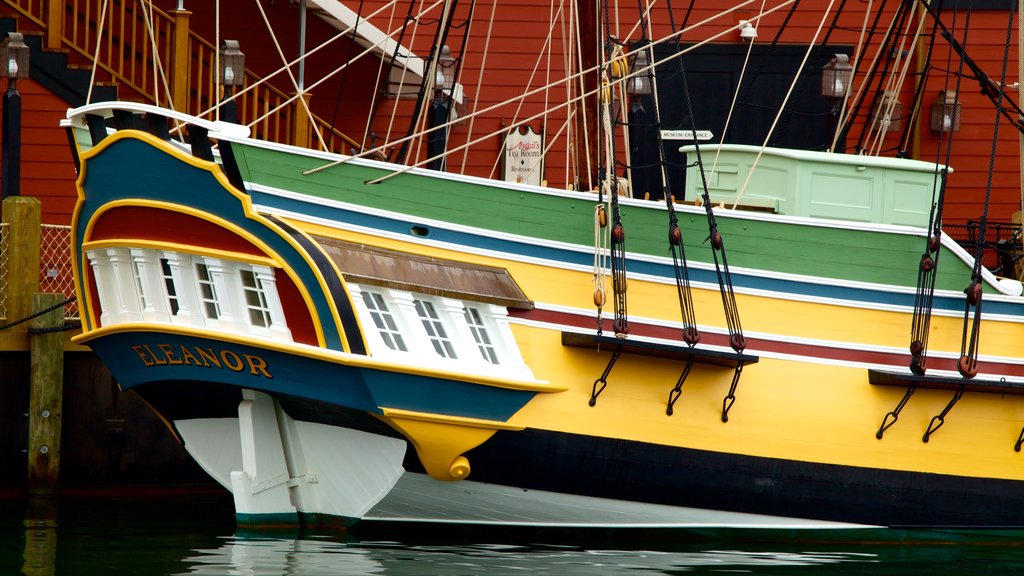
<point>783,342</point>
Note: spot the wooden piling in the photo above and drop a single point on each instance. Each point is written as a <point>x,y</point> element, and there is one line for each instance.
<point>46,383</point>
<point>22,216</point>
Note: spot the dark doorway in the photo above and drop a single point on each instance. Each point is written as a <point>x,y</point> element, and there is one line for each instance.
<point>713,76</point>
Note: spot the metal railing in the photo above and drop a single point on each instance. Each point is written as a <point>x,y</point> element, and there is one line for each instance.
<point>1002,249</point>
<point>132,43</point>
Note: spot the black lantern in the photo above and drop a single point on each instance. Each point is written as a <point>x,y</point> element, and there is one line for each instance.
<point>946,112</point>
<point>835,77</point>
<point>232,64</point>
<point>440,110</point>
<point>14,53</point>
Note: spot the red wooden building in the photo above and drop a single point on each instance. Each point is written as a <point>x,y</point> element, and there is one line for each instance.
<point>504,50</point>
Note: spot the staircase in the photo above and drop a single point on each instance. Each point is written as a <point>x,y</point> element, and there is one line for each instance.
<point>175,71</point>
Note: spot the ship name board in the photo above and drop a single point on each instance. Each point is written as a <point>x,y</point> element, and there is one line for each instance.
<point>182,355</point>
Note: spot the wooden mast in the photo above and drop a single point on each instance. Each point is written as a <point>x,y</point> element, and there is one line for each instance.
<point>585,117</point>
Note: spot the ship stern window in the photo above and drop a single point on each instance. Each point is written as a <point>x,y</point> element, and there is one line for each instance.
<point>384,321</point>
<point>207,292</point>
<point>435,329</point>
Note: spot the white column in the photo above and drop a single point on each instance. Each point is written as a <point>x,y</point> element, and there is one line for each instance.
<point>127,309</point>
<point>151,278</point>
<point>230,297</point>
<point>186,288</point>
<point>106,286</point>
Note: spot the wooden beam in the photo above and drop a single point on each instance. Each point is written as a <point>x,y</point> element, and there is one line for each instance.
<point>181,60</point>
<point>55,24</point>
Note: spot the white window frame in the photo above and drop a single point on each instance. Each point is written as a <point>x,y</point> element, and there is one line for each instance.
<point>452,314</point>
<point>132,287</point>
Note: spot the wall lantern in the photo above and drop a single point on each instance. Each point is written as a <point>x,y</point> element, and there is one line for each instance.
<point>835,77</point>
<point>445,79</point>
<point>946,112</point>
<point>14,53</point>
<point>639,74</point>
<point>232,64</point>
<point>888,112</point>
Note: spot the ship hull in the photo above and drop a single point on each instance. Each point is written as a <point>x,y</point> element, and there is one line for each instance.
<point>428,350</point>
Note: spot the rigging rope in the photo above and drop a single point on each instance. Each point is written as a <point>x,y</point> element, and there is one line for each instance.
<point>927,268</point>
<point>732,315</point>
<point>680,267</point>
<point>968,364</point>
<point>609,181</point>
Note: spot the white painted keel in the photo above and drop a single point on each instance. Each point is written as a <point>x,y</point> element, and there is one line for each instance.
<point>276,466</point>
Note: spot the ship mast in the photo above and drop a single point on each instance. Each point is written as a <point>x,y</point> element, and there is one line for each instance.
<point>584,116</point>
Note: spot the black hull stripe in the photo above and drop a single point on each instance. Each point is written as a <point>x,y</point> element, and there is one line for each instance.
<point>353,335</point>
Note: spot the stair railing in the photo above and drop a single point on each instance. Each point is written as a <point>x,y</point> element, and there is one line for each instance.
<point>127,53</point>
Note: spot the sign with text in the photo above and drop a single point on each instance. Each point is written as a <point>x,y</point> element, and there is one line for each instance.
<point>523,157</point>
<point>702,135</point>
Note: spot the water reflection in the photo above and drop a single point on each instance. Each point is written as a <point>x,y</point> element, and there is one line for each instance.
<point>197,537</point>
<point>248,556</point>
<point>40,555</point>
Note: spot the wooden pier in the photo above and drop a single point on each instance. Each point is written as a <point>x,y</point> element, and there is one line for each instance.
<point>63,419</point>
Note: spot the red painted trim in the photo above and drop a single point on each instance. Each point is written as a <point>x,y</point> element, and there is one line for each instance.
<point>300,321</point>
<point>756,345</point>
<point>155,224</point>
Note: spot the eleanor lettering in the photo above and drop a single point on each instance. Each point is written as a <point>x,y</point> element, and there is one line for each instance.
<point>201,357</point>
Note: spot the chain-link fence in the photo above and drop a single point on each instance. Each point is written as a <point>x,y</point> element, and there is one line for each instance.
<point>55,275</point>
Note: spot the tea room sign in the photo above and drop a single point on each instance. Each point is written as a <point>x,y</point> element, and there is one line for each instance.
<point>523,158</point>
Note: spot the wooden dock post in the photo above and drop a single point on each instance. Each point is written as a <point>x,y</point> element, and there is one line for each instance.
<point>46,383</point>
<point>22,216</point>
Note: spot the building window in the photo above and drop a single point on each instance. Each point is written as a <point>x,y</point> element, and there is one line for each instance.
<point>172,293</point>
<point>384,321</point>
<point>483,339</point>
<point>207,292</point>
<point>435,329</point>
<point>255,299</point>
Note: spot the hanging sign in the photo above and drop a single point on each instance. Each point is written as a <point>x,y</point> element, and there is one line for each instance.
<point>523,157</point>
<point>702,135</point>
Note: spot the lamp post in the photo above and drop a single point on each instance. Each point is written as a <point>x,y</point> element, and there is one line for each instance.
<point>231,74</point>
<point>440,108</point>
<point>835,83</point>
<point>643,158</point>
<point>14,55</point>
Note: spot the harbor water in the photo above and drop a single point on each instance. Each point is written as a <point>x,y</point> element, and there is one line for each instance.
<point>194,533</point>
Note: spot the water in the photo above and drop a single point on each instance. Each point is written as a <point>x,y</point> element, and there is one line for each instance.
<point>195,534</point>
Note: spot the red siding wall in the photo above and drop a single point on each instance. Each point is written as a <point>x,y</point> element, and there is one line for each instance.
<point>47,169</point>
<point>518,33</point>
